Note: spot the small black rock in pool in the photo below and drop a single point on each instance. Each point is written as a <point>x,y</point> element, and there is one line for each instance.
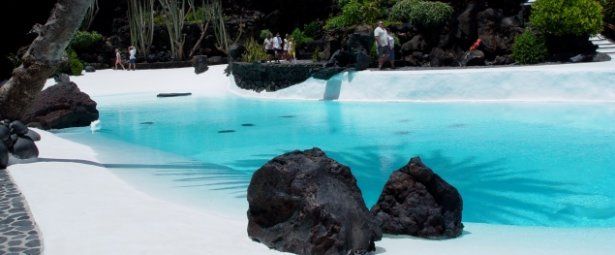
<point>247,125</point>
<point>287,116</point>
<point>226,131</point>
<point>458,125</point>
<point>174,94</point>
<point>147,123</point>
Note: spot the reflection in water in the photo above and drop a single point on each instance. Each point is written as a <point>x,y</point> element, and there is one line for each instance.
<point>334,88</point>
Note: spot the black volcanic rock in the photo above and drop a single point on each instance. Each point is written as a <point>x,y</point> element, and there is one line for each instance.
<point>272,77</point>
<point>200,64</point>
<point>33,135</point>
<point>5,134</point>
<point>61,106</point>
<point>4,156</point>
<point>18,128</point>
<point>306,203</point>
<point>416,201</point>
<point>24,148</point>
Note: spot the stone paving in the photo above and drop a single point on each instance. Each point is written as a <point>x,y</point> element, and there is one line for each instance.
<point>18,232</point>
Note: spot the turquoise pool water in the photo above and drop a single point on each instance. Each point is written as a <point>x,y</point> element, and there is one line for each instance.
<point>514,163</point>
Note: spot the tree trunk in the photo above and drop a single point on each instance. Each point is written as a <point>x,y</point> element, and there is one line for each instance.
<point>42,58</point>
<point>197,45</point>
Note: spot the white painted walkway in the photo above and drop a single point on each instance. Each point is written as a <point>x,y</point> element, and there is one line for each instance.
<point>604,45</point>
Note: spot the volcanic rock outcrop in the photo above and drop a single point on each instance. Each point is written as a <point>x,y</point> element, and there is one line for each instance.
<point>306,203</point>
<point>416,201</point>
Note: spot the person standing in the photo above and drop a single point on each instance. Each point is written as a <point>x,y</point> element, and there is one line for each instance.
<point>268,44</point>
<point>132,51</point>
<point>391,44</point>
<point>382,42</point>
<point>118,60</point>
<point>291,49</point>
<point>286,52</point>
<point>277,46</point>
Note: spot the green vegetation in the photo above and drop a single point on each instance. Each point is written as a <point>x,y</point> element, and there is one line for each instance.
<point>312,29</point>
<point>356,12</point>
<point>141,18</point>
<point>567,17</point>
<point>83,40</point>
<point>254,52</point>
<point>76,67</point>
<point>609,10</point>
<point>316,54</point>
<point>198,15</point>
<point>300,38</point>
<point>529,48</point>
<point>422,13</point>
<point>265,33</point>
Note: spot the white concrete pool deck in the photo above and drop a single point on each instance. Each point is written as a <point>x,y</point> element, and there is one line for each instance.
<point>85,209</point>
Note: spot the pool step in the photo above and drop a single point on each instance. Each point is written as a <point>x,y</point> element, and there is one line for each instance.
<point>605,45</point>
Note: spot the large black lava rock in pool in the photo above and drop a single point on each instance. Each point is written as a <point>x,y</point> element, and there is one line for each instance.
<point>416,201</point>
<point>306,203</point>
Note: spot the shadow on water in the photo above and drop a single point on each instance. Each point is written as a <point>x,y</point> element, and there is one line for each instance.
<point>184,174</point>
<point>492,193</point>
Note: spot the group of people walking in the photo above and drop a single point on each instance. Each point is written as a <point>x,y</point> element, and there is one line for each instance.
<point>132,59</point>
<point>278,48</point>
<point>385,45</point>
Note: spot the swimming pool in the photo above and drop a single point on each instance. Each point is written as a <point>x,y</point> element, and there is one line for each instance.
<point>528,164</point>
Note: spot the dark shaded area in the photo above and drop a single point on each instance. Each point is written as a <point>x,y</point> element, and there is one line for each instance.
<point>18,19</point>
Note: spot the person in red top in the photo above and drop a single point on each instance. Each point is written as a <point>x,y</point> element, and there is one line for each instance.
<point>476,44</point>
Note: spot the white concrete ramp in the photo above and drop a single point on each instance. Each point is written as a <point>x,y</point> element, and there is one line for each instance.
<point>604,45</point>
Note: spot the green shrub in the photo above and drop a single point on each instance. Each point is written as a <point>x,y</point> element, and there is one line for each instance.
<point>609,10</point>
<point>76,67</point>
<point>529,48</point>
<point>567,17</point>
<point>312,29</point>
<point>83,40</point>
<point>197,15</point>
<point>265,33</point>
<point>301,38</point>
<point>159,19</point>
<point>316,54</point>
<point>356,12</point>
<point>422,13</point>
<point>254,52</point>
